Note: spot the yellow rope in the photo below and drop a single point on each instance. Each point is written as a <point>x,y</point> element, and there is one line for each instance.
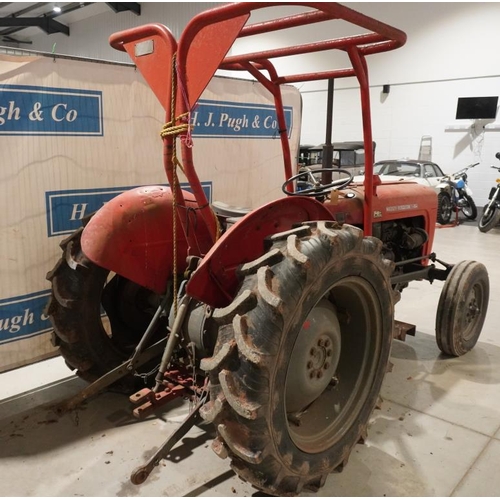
<point>218,228</point>
<point>171,129</point>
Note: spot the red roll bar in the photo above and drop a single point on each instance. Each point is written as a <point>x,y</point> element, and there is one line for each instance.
<point>203,48</point>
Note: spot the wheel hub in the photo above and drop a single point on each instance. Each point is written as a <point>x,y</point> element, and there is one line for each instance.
<point>315,357</point>
<point>473,310</point>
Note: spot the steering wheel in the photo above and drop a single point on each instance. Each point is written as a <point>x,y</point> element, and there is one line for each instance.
<point>316,189</point>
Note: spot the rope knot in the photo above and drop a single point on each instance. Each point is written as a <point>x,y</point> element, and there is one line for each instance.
<point>174,128</point>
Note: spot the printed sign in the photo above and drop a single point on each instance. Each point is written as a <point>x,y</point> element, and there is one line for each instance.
<point>66,209</point>
<point>22,317</point>
<point>237,120</point>
<point>27,110</point>
<point>60,163</point>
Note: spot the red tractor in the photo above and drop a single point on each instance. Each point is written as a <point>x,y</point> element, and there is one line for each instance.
<point>278,325</point>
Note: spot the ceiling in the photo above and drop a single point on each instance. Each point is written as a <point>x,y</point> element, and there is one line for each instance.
<point>20,21</point>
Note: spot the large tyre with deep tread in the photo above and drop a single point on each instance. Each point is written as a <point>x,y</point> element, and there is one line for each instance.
<point>470,211</point>
<point>255,371</point>
<point>462,308</point>
<point>444,208</point>
<point>489,220</point>
<point>80,294</point>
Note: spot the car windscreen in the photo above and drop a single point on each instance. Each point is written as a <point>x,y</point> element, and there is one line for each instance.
<point>398,169</point>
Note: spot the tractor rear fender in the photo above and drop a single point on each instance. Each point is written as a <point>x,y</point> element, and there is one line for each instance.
<point>215,281</point>
<point>132,235</point>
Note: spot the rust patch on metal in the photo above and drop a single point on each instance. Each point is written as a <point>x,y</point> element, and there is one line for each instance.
<point>402,329</point>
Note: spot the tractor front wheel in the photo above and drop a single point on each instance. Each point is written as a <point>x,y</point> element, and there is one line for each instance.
<point>462,308</point>
<point>300,357</point>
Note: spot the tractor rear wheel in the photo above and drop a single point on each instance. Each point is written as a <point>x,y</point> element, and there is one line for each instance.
<point>89,341</point>
<point>300,357</point>
<point>462,308</point>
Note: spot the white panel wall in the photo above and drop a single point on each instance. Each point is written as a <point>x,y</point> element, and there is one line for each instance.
<point>452,51</point>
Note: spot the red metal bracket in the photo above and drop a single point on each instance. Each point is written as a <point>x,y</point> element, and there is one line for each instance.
<point>177,384</point>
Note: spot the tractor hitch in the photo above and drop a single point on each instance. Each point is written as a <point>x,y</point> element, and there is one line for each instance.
<point>176,384</point>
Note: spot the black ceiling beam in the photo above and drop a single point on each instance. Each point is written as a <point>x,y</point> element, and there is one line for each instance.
<point>20,13</point>
<point>125,6</point>
<point>9,39</point>
<point>65,9</point>
<point>28,9</point>
<point>47,24</point>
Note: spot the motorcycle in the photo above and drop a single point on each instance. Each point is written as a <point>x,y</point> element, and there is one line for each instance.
<point>491,212</point>
<point>455,193</point>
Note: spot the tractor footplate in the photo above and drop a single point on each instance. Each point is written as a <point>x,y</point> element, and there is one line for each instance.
<point>402,329</point>
<point>176,384</point>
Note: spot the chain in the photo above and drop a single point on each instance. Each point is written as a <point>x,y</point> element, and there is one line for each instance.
<point>145,376</point>
<point>193,362</point>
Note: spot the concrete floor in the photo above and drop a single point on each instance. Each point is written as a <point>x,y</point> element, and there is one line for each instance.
<point>437,434</point>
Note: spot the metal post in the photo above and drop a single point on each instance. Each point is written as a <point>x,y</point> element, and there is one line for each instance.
<point>326,177</point>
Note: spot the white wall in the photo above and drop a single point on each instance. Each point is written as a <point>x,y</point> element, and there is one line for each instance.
<point>452,51</point>
<point>89,38</point>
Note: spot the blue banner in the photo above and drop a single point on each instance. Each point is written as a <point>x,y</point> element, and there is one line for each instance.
<point>26,110</point>
<point>66,209</point>
<point>238,120</point>
<point>22,317</point>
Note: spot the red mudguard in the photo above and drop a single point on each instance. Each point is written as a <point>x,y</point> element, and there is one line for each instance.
<point>215,281</point>
<point>132,235</point>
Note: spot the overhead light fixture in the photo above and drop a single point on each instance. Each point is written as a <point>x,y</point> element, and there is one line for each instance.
<point>56,8</point>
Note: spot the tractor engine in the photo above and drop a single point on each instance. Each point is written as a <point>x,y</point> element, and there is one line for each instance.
<point>403,239</point>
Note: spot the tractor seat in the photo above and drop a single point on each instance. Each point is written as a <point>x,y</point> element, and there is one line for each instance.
<point>227,211</point>
<point>228,215</point>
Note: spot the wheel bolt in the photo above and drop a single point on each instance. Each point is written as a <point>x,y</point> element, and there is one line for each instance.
<point>319,374</point>
<point>326,365</point>
<point>312,352</point>
<point>327,343</point>
<point>312,374</point>
<point>321,342</point>
<point>329,352</point>
<point>309,365</point>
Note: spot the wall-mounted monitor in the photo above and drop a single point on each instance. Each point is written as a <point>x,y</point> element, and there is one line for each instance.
<point>476,108</point>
